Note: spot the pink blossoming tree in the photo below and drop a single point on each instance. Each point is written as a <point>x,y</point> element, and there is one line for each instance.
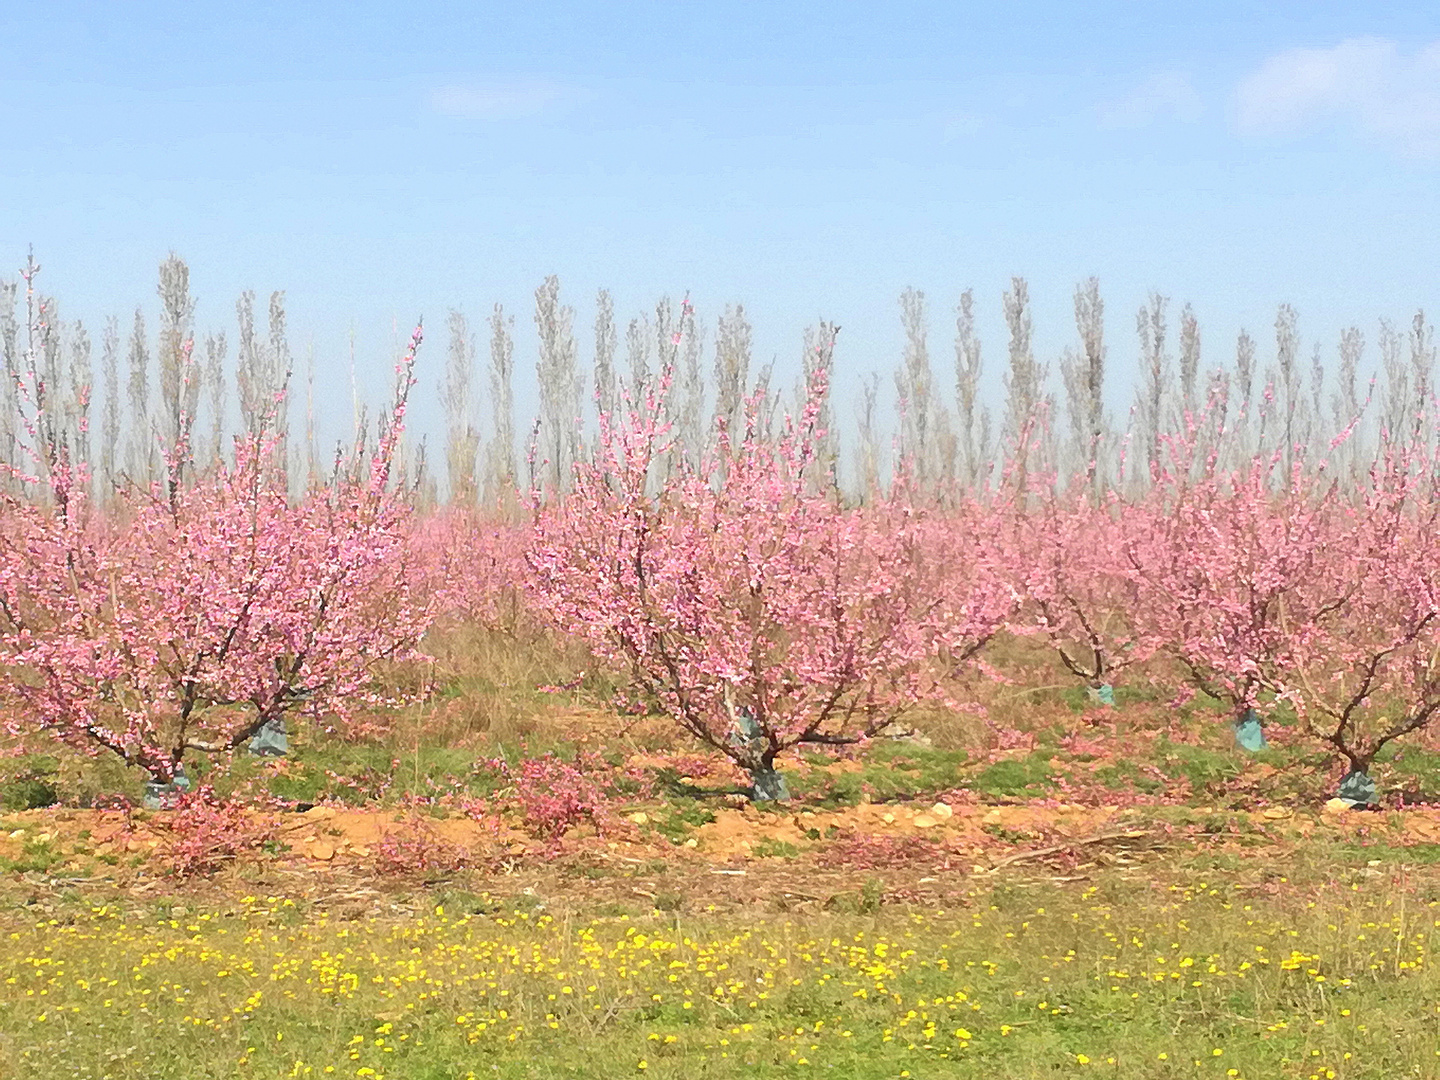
<point>1286,585</point>
<point>740,595</point>
<point>197,613</point>
<point>1082,593</point>
<point>470,565</point>
<point>1214,554</point>
<point>1361,630</point>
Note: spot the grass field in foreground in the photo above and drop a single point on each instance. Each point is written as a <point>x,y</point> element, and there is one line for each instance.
<point>1118,978</point>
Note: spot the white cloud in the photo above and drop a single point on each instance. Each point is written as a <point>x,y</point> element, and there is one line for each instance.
<point>1166,95</point>
<point>1366,85</point>
<point>497,99</point>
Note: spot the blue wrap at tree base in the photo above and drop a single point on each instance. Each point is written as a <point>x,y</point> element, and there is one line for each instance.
<point>1358,789</point>
<point>1104,694</point>
<point>160,796</point>
<point>1248,733</point>
<point>271,740</point>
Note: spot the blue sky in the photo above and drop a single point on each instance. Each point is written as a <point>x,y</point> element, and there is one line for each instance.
<point>382,161</point>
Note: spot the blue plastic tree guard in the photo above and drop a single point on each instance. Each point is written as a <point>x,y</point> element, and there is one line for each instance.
<point>1248,733</point>
<point>1104,694</point>
<point>270,740</point>
<point>766,785</point>
<point>160,796</point>
<point>1357,789</point>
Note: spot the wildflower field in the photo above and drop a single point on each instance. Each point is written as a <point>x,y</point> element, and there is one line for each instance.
<point>1248,974</point>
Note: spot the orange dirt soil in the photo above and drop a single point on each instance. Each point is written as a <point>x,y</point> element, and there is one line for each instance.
<point>326,834</point>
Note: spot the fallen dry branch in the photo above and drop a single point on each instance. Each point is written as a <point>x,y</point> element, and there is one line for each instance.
<point>1056,849</point>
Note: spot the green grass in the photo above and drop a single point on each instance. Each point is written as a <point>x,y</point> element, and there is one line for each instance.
<point>29,782</point>
<point>1208,770</point>
<point>766,848</point>
<point>889,771</point>
<point>1410,768</point>
<point>1117,978</point>
<point>1409,854</point>
<point>1030,776</point>
<point>679,819</point>
<point>1127,775</point>
<point>37,856</point>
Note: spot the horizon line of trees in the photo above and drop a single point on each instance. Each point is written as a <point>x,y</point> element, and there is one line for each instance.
<point>155,387</point>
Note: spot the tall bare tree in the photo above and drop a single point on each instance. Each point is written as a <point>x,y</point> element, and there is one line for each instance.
<point>500,475</point>
<point>52,395</point>
<point>972,417</point>
<point>262,370</point>
<point>215,350</point>
<point>914,388</point>
<point>1025,398</point>
<point>462,439</point>
<point>1315,408</point>
<point>667,362</point>
<point>607,397</point>
<point>179,374</point>
<point>1083,373</point>
<point>312,468</point>
<point>1243,406</point>
<point>1189,362</point>
<point>1154,381</point>
<point>9,371</point>
<point>869,449</point>
<point>765,403</point>
<point>1289,383</point>
<point>817,362</point>
<point>80,380</point>
<point>690,384</point>
<point>110,463</point>
<point>1422,366</point>
<point>1345,399</point>
<point>559,379</point>
<point>637,353</point>
<point>141,457</point>
<point>732,370</point>
<point>1215,432</point>
<point>1395,409</point>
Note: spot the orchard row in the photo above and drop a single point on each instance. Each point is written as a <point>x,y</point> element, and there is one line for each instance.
<point>732,585</point>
